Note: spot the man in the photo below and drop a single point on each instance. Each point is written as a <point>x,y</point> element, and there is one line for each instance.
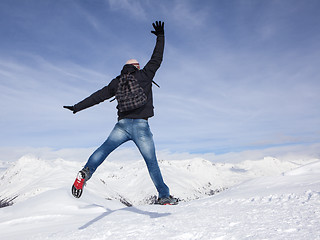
<point>132,124</point>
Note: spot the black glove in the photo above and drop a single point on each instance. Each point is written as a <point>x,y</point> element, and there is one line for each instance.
<point>158,27</point>
<point>71,108</point>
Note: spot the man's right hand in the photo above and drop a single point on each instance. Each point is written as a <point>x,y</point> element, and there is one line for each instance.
<point>71,108</point>
<point>158,27</point>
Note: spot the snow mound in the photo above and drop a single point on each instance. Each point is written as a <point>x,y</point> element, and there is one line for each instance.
<point>311,168</point>
<point>300,183</point>
<point>30,176</point>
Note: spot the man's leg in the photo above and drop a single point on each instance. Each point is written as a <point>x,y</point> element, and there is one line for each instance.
<point>115,139</point>
<point>118,136</point>
<point>143,138</point>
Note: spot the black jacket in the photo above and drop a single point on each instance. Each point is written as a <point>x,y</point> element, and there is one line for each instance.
<point>144,76</point>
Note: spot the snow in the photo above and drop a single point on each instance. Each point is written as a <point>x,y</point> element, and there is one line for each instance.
<point>265,199</point>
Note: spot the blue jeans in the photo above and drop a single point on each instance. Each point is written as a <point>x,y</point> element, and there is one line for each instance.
<point>139,132</point>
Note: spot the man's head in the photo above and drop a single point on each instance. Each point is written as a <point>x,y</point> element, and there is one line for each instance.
<point>133,62</point>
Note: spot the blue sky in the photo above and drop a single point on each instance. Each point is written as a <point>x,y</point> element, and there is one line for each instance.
<point>237,75</point>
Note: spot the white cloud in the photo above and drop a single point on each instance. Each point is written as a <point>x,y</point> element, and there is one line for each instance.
<point>132,7</point>
<point>187,15</point>
<point>288,153</point>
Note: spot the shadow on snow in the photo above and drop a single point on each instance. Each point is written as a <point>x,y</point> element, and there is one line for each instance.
<point>129,209</point>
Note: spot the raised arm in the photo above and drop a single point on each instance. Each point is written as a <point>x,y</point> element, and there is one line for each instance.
<point>154,63</point>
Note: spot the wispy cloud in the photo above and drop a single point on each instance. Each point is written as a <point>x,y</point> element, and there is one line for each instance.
<point>231,78</point>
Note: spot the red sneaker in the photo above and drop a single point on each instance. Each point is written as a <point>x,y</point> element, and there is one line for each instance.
<point>78,185</point>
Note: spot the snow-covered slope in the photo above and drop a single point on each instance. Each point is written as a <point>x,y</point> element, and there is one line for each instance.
<point>129,181</point>
<point>265,200</point>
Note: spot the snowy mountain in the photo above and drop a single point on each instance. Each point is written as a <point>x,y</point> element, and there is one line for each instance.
<point>129,181</point>
<point>266,199</point>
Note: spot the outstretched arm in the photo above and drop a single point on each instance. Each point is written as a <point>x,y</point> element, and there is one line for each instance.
<point>154,63</point>
<point>95,98</point>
